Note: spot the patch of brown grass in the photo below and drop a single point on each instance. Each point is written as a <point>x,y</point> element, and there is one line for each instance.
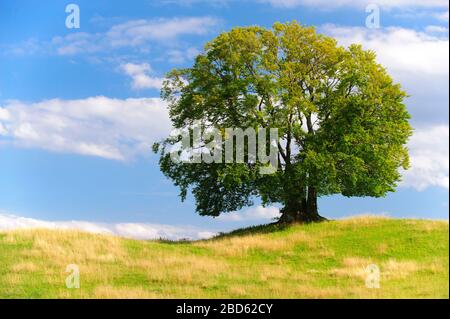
<point>428,225</point>
<point>123,293</point>
<point>243,245</point>
<point>355,267</point>
<point>64,247</point>
<point>362,220</point>
<point>24,267</point>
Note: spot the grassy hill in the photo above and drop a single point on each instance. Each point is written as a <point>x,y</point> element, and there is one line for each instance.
<point>326,260</point>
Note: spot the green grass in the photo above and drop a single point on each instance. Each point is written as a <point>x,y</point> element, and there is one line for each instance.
<point>325,260</point>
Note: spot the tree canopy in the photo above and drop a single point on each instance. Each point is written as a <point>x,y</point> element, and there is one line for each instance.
<point>342,121</point>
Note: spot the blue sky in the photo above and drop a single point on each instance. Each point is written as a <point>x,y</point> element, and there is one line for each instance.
<point>79,108</point>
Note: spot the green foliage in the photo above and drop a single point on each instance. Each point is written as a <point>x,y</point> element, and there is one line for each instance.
<point>342,122</point>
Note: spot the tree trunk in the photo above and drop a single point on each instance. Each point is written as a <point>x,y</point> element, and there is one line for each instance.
<point>292,211</point>
<point>311,206</point>
<point>301,211</point>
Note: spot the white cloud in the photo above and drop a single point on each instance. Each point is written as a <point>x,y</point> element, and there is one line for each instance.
<point>27,47</point>
<point>97,126</point>
<point>3,129</point>
<point>403,51</point>
<point>252,214</point>
<point>429,152</point>
<point>75,43</point>
<point>4,114</point>
<point>436,29</point>
<point>214,3</point>
<point>180,56</point>
<point>143,231</point>
<point>443,16</point>
<point>139,74</point>
<point>359,3</point>
<point>137,32</point>
<point>134,34</point>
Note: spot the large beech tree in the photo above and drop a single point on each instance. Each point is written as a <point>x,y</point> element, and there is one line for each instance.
<point>342,121</point>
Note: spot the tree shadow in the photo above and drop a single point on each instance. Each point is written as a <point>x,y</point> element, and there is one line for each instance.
<point>253,230</point>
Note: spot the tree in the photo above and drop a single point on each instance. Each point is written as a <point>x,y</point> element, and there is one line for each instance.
<point>342,122</point>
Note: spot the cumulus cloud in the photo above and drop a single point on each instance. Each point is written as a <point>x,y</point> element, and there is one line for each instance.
<point>436,29</point>
<point>133,34</point>
<point>256,213</point>
<point>401,50</point>
<point>359,3</point>
<point>140,76</point>
<point>143,231</point>
<point>98,126</point>
<point>429,152</point>
<point>181,56</point>
<point>326,4</point>
<point>27,47</point>
<point>138,31</point>
<point>442,16</point>
<point>215,3</point>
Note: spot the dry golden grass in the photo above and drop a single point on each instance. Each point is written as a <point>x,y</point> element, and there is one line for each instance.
<point>355,267</point>
<point>24,267</point>
<point>12,279</point>
<point>110,292</point>
<point>242,246</point>
<point>362,220</point>
<point>61,246</point>
<point>428,225</point>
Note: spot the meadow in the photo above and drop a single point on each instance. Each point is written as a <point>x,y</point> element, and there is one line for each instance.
<point>323,260</point>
